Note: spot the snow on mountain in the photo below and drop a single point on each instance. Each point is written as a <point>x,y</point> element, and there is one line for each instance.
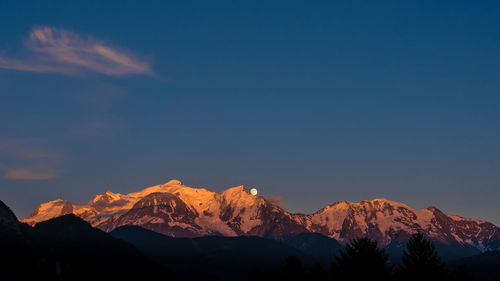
<point>180,211</point>
<point>386,221</point>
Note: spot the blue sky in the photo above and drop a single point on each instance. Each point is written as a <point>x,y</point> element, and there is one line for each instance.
<point>315,102</point>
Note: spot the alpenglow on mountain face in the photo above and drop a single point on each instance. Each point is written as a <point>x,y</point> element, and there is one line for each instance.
<point>180,211</point>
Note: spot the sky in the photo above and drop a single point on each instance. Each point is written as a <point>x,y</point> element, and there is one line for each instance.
<point>312,101</point>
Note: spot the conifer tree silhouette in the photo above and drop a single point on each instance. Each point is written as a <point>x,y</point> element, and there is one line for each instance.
<point>293,270</point>
<point>421,261</point>
<point>461,273</point>
<point>317,273</point>
<point>362,260</point>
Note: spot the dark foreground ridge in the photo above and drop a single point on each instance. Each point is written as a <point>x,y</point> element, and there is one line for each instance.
<point>230,257</point>
<point>69,248</point>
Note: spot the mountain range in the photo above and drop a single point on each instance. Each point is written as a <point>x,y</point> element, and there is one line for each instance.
<point>63,246</point>
<point>176,210</point>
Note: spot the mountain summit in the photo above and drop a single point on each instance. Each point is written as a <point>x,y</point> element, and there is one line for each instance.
<point>180,211</point>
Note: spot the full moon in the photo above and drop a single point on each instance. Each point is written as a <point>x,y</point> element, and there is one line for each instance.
<point>253,191</point>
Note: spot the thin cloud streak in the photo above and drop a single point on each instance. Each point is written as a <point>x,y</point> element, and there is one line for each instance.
<point>14,64</point>
<point>276,200</point>
<point>20,160</point>
<point>61,51</point>
<point>28,174</point>
<point>20,148</point>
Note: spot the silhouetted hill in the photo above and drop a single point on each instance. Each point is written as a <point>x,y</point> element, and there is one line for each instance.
<point>68,248</point>
<point>323,249</point>
<point>74,248</point>
<point>224,257</point>
<point>14,245</point>
<point>7,218</point>
<point>485,266</point>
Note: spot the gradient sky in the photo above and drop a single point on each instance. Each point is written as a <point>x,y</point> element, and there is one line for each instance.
<point>315,102</point>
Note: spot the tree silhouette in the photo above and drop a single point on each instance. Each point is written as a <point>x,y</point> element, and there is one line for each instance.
<point>293,270</point>
<point>461,273</point>
<point>317,273</point>
<point>362,260</point>
<point>421,261</point>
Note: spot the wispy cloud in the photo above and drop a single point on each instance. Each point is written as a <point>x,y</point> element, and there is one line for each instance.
<point>62,51</point>
<point>276,200</point>
<point>21,160</point>
<point>27,173</point>
<point>19,148</point>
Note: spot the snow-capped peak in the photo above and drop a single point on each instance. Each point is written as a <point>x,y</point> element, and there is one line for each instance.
<point>178,210</point>
<point>107,196</point>
<point>173,182</point>
<point>235,192</point>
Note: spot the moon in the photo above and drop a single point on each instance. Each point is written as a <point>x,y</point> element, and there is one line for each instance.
<point>253,191</point>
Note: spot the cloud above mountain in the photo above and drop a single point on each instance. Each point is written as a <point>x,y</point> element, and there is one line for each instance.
<point>27,174</point>
<point>23,159</point>
<point>53,50</point>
